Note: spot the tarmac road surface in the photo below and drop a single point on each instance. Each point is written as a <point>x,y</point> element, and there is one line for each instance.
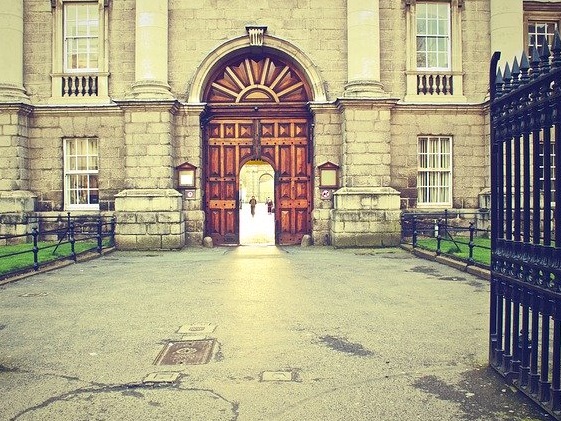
<point>291,333</point>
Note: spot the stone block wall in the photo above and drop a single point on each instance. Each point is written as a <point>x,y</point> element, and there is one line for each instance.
<point>470,167</point>
<point>366,217</point>
<point>48,130</point>
<point>149,219</point>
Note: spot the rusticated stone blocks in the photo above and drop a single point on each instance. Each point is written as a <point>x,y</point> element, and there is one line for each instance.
<point>366,217</point>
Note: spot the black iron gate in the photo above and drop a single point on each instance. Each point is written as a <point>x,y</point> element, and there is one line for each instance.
<point>525,308</point>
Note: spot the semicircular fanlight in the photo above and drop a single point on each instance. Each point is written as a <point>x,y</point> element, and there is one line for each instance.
<point>257,80</point>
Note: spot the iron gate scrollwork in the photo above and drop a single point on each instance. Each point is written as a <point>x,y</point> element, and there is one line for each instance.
<point>525,306</point>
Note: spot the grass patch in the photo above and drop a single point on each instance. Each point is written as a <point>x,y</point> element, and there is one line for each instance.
<point>12,262</point>
<point>460,248</point>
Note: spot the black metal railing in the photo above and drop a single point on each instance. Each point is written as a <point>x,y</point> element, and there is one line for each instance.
<point>41,244</point>
<point>525,310</point>
<point>449,233</point>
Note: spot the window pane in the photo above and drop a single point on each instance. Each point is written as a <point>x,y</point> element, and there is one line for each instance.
<point>434,175</point>
<point>421,26</point>
<point>81,168</point>
<point>81,31</point>
<point>421,60</point>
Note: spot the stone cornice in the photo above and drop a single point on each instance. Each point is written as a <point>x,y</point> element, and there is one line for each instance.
<point>23,109</point>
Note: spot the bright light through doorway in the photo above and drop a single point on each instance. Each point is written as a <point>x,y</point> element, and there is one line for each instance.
<point>257,179</point>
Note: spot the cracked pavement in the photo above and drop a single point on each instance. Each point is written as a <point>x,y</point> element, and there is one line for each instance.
<point>301,334</point>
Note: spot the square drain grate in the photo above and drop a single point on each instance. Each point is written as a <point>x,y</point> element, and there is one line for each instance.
<point>186,352</point>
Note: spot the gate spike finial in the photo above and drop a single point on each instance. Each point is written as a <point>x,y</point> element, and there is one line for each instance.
<point>499,83</point>
<point>524,68</point>
<point>515,74</point>
<point>544,59</point>
<point>535,63</point>
<point>507,78</point>
<point>556,49</point>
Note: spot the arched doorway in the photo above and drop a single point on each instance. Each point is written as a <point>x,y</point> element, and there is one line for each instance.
<point>257,111</point>
<point>256,181</point>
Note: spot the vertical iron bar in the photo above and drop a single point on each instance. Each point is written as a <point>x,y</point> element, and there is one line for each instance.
<point>517,188</point>
<point>112,237</point>
<point>494,287</point>
<point>556,373</point>
<point>508,189</point>
<point>500,320</point>
<point>557,148</point>
<point>99,236</point>
<point>536,173</point>
<point>525,368</point>
<point>471,244</point>
<point>72,241</point>
<point>500,193</point>
<point>35,235</point>
<point>515,365</point>
<point>439,237</point>
<point>534,375</point>
<point>68,219</point>
<point>527,188</point>
<point>547,179</point>
<point>507,356</point>
<point>544,384</point>
<point>414,231</point>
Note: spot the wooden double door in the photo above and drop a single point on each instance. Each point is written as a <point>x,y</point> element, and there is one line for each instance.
<point>281,142</point>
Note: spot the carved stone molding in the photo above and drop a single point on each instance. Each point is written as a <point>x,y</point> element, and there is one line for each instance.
<point>256,35</point>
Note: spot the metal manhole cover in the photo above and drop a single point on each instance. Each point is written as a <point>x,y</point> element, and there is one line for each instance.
<point>186,352</point>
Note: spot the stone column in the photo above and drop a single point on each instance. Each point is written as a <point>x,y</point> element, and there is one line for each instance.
<point>363,45</point>
<point>507,29</point>
<point>11,52</point>
<point>151,50</point>
<point>15,199</point>
<point>149,212</point>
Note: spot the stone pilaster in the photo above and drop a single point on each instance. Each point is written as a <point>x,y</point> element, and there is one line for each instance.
<point>366,143</point>
<point>148,143</point>
<point>15,197</point>
<point>365,210</point>
<point>363,46</point>
<point>507,29</point>
<point>151,50</point>
<point>11,52</point>
<point>149,211</point>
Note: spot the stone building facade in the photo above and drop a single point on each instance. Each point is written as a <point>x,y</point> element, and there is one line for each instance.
<point>103,101</point>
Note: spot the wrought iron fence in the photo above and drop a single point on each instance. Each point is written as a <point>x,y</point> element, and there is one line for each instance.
<point>525,310</point>
<point>78,234</point>
<point>450,233</point>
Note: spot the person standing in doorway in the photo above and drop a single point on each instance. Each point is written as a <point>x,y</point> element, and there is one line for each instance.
<point>252,203</point>
<point>269,205</point>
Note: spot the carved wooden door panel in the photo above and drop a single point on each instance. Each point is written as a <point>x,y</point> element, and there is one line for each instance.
<point>285,142</point>
<point>229,142</point>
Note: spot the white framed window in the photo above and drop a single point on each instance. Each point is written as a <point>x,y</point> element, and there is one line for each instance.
<point>81,37</point>
<point>79,55</point>
<point>539,33</point>
<point>433,35</point>
<point>434,171</point>
<point>433,46</point>
<point>541,20</point>
<point>81,171</point>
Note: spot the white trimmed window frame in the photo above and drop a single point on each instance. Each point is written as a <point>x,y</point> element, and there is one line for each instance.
<point>435,84</point>
<point>83,85</point>
<point>542,14</point>
<point>81,173</point>
<point>434,171</point>
<point>430,31</point>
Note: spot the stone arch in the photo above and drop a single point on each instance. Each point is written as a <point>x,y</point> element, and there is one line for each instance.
<point>240,46</point>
